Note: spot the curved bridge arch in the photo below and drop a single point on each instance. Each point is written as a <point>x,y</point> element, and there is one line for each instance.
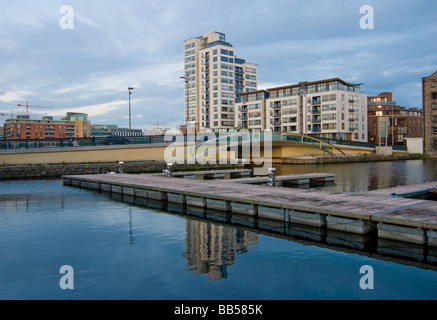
<point>211,144</point>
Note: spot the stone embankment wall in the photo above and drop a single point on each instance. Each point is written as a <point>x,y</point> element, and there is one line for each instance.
<point>352,158</point>
<point>58,170</point>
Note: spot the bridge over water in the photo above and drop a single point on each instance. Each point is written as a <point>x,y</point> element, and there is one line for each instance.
<point>235,147</point>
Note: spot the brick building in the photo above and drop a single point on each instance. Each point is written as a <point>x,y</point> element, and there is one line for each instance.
<point>24,128</point>
<point>429,87</point>
<point>391,124</point>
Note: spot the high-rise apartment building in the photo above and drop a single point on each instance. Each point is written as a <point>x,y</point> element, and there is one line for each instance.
<point>214,79</point>
<point>429,87</point>
<point>330,108</point>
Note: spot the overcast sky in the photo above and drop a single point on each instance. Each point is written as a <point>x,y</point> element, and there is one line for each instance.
<point>117,44</point>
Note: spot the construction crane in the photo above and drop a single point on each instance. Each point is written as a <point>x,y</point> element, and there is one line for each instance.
<point>28,106</point>
<point>6,115</point>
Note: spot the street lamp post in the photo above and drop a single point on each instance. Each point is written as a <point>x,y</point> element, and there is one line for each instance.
<point>188,101</point>
<point>130,127</point>
<point>392,126</point>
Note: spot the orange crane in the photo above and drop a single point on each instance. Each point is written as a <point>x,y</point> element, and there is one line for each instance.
<point>28,106</point>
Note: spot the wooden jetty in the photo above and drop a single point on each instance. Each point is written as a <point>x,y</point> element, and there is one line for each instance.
<point>300,179</point>
<point>392,218</point>
<point>210,174</point>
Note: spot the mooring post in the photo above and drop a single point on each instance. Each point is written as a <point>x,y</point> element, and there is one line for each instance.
<point>272,177</point>
<point>121,168</point>
<point>169,170</point>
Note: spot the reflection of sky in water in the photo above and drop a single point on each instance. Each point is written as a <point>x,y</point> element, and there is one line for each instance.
<point>119,251</point>
<point>356,177</point>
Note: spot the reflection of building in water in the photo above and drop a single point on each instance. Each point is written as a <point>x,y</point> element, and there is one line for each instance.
<point>211,248</point>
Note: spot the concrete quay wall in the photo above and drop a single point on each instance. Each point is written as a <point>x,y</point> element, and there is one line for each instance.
<point>38,171</point>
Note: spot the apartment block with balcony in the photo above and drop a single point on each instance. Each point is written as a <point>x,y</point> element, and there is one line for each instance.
<point>391,124</point>
<point>429,87</point>
<point>330,108</point>
<point>214,79</point>
<point>251,110</point>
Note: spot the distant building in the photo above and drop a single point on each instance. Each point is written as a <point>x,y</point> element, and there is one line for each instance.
<point>100,130</point>
<point>391,124</point>
<point>331,108</point>
<point>429,87</point>
<point>24,128</point>
<point>2,133</point>
<point>215,77</point>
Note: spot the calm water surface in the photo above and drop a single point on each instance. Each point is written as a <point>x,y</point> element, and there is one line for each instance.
<point>122,251</point>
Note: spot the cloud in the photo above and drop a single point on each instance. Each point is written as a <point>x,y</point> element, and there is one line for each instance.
<point>93,110</point>
<point>119,44</point>
<point>15,96</point>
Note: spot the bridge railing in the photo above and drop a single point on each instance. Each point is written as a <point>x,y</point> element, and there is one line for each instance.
<point>77,142</point>
<point>359,144</point>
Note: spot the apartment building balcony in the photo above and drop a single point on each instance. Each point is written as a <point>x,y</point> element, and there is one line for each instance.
<point>277,114</point>
<point>277,105</point>
<point>277,122</point>
<point>317,109</point>
<point>227,123</point>
<point>352,120</point>
<point>227,109</point>
<point>317,119</point>
<point>317,128</point>
<point>227,116</point>
<point>352,110</point>
<point>316,100</point>
<point>239,77</point>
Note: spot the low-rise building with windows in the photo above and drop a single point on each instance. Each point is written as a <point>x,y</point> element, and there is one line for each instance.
<point>391,124</point>
<point>24,128</point>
